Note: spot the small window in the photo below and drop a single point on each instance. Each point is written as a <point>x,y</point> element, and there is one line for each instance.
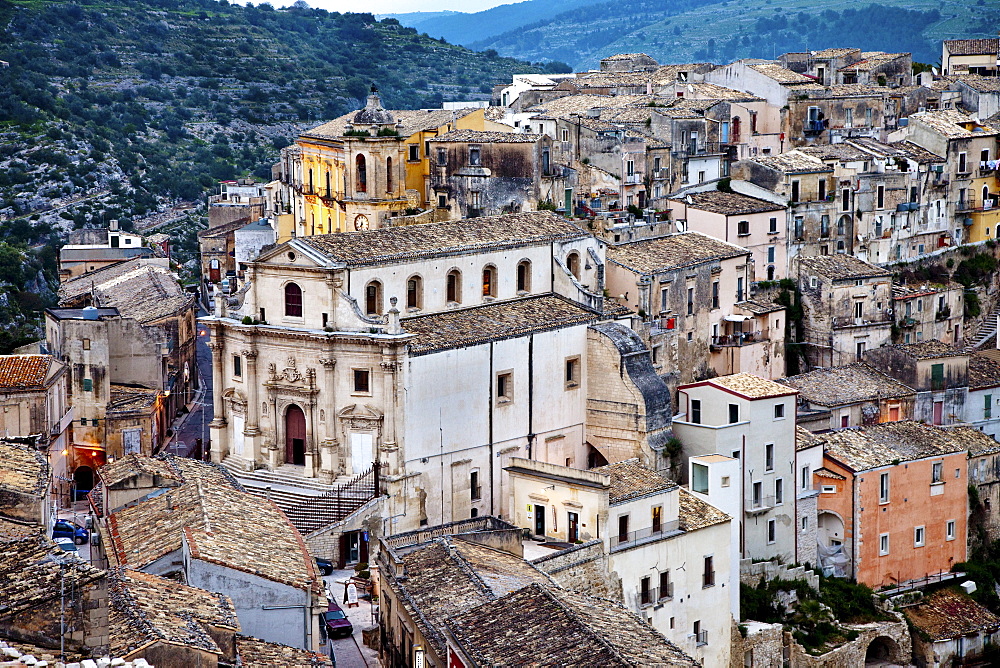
<point>657,519</point>
<point>86,346</point>
<point>806,477</point>
<point>724,482</point>
<point>708,574</point>
<point>772,532</point>
<point>883,544</point>
<point>690,301</point>
<point>715,294</point>
<point>414,153</point>
<point>505,387</point>
<point>769,456</point>
<point>918,536</point>
<point>696,411</point>
<point>475,156</point>
<point>572,372</point>
<point>779,411</point>
<point>743,228</point>
<point>489,282</point>
<point>937,472</point>
<point>88,385</point>
<point>645,594</point>
<point>237,366</point>
<point>734,413</point>
<point>442,201</point>
<point>949,530</point>
<point>414,292</point>
<point>666,587</point>
<point>361,381</point>
<point>524,276</point>
<point>883,488</point>
<point>779,491</point>
<point>772,226</point>
<point>699,478</point>
<point>805,523</point>
<point>623,528</point>
<point>373,298</point>
<point>293,300</point>
<point>263,313</point>
<point>757,495</point>
<point>829,489</point>
<point>476,490</point>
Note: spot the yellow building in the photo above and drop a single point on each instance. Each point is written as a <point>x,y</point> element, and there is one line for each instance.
<point>360,170</point>
<point>979,210</point>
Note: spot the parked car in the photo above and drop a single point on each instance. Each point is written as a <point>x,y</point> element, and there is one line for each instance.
<point>67,529</point>
<point>337,623</point>
<point>325,566</point>
<point>66,545</point>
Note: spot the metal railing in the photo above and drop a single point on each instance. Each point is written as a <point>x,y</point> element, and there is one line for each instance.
<point>621,541</point>
<point>851,321</point>
<point>632,179</point>
<point>738,339</point>
<point>701,638</point>
<point>760,504</point>
<point>973,203</point>
<point>655,595</point>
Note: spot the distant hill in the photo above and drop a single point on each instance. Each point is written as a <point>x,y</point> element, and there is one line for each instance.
<point>416,19</point>
<point>580,32</point>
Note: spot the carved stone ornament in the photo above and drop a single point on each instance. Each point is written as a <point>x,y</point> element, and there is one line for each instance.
<point>289,373</point>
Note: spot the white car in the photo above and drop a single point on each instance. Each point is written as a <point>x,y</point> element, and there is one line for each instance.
<point>66,545</point>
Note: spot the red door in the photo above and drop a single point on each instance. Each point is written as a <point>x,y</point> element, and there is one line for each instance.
<point>938,412</point>
<point>295,435</point>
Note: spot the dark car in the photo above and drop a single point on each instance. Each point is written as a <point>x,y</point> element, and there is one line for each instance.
<point>67,529</point>
<point>337,623</point>
<point>325,566</point>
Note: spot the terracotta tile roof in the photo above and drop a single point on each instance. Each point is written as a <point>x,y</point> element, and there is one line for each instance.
<point>631,480</point>
<point>564,107</point>
<point>910,290</point>
<point>480,137</point>
<point>840,267</point>
<point>449,575</point>
<point>759,307</point>
<point>224,229</point>
<point>544,626</point>
<point>828,474</point>
<point>413,121</point>
<point>207,511</point>
<point>880,445</point>
<point>947,614</point>
<point>849,384</point>
<point>973,47</point>
<point>792,162</point>
<point>612,79</point>
<point>393,244</point>
<point>860,89</point>
<point>730,204</point>
<point>11,529</point>
<point>257,653</point>
<point>953,124</point>
<point>81,285</point>
<point>804,439</point>
<point>834,52</point>
<point>752,386</point>
<point>626,56</point>
<point>696,514</point>
<point>669,73</point>
<point>843,151</point>
<point>975,442</point>
<point>674,251</point>
<point>984,371</point>
<point>917,153</point>
<point>871,60</point>
<point>146,294</point>
<point>491,322</point>
<point>780,74</point>
<point>128,399</point>
<point>710,91</point>
<point>132,465</point>
<point>24,372</point>
<point>30,575</point>
<point>145,609</point>
<point>929,349</point>
<point>23,470</point>
<point>980,83</point>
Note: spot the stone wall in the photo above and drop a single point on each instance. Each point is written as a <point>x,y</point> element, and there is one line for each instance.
<point>751,572</point>
<point>894,637</point>
<point>325,542</point>
<point>582,568</point>
<point>761,647</point>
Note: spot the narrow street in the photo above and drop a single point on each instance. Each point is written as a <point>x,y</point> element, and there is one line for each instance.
<point>195,424</point>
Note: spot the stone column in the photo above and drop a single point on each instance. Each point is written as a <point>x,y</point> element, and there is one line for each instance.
<point>218,423</point>
<point>329,446</point>
<point>389,449</point>
<point>251,429</point>
<point>312,449</point>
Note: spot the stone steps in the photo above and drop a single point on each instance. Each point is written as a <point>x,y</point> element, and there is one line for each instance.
<point>986,330</point>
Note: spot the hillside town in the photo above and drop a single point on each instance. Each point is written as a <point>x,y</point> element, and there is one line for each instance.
<point>733,330</point>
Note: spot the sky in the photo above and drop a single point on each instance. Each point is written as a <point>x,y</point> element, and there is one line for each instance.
<point>397,6</point>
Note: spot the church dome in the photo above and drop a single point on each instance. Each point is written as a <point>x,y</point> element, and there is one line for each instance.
<point>373,113</point>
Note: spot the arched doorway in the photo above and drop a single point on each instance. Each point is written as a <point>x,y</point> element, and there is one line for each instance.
<point>83,482</point>
<point>295,436</point>
<point>883,650</point>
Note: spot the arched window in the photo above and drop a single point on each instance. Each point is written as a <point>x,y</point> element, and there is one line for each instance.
<point>573,264</point>
<point>986,194</point>
<point>373,298</point>
<point>388,175</point>
<point>454,286</point>
<point>842,226</point>
<point>490,281</point>
<point>293,300</point>
<point>361,169</point>
<point>414,292</point>
<point>524,276</point>
<point>770,272</point>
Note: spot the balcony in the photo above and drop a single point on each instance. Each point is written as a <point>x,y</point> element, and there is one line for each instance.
<point>660,174</point>
<point>738,339</point>
<point>698,148</point>
<point>701,638</point>
<point>655,595</point>
<point>632,179</point>
<point>813,127</point>
<point>907,323</point>
<point>624,541</point>
<point>844,322</point>
<point>760,505</point>
<point>973,203</point>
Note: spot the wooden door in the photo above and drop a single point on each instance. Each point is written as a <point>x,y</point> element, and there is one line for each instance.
<point>295,435</point>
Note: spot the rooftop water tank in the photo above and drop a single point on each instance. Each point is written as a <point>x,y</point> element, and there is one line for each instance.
<point>89,313</point>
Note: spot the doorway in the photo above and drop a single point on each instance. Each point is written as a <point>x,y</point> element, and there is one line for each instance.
<point>295,436</point>
<point>573,528</point>
<point>539,520</point>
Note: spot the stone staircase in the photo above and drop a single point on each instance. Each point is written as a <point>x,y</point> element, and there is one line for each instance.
<point>987,329</point>
<point>308,503</point>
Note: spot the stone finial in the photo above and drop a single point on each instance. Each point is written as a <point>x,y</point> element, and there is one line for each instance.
<point>394,326</point>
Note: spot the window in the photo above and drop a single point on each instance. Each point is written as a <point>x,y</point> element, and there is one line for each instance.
<point>565,135</point>
<point>656,164</point>
<point>795,191</point>
<point>237,366</point>
<point>442,157</point>
<point>822,189</point>
<point>769,456</point>
<point>505,386</point>
<point>883,488</point>
<point>963,165</point>
<point>824,226</point>
<point>388,175</point>
<point>699,478</point>
<point>630,167</point>
<point>373,298</point>
<point>361,381</point>
<point>361,174</point>
<point>623,528</point>
<point>779,491</point>
<point>442,201</point>
<point>490,282</point>
<point>645,595</point>
<point>696,411</point>
<point>799,223</point>
<point>572,372</point>
<point>524,276</point>
<point>86,344</point>
<point>708,574</point>
<point>937,376</point>
<point>772,532</point>
<point>666,587</point>
<point>757,495</point>
<point>690,301</point>
<point>772,226</point>
<point>262,314</point>
<point>700,637</point>
<point>739,289</point>
<point>657,519</point>
<point>293,300</point>
<point>724,481</point>
<point>987,406</point>
<point>573,264</point>
<point>845,199</point>
<point>663,300</point>
<point>859,310</point>
<point>805,523</point>
<point>918,536</point>
<point>779,411</point>
<point>414,152</point>
<point>475,156</point>
<point>715,294</point>
<point>936,472</point>
<point>770,254</point>
<point>734,413</point>
<point>414,292</point>
<point>949,530</point>
<point>88,384</point>
<point>476,490</point>
<point>453,286</point>
<point>743,228</point>
<point>806,477</point>
<point>883,544</point>
<point>880,197</point>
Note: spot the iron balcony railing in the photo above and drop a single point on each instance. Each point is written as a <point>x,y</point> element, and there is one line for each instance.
<point>655,594</point>
<point>621,541</point>
<point>738,339</point>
